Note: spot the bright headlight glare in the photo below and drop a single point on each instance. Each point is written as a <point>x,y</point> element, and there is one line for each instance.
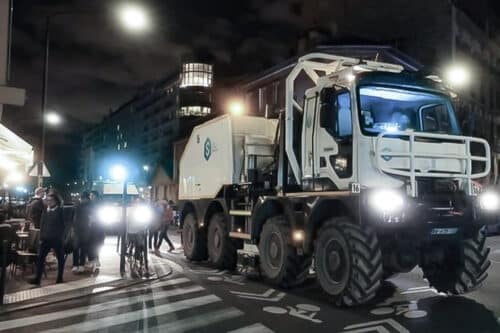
<point>142,214</point>
<point>108,214</point>
<point>387,201</point>
<point>489,201</point>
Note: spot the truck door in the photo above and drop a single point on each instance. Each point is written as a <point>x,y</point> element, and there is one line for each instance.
<point>308,126</point>
<point>334,141</point>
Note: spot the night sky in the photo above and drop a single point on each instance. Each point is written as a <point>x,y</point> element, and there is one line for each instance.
<point>95,65</point>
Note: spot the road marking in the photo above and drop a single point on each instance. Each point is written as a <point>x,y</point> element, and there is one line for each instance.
<point>198,321</point>
<point>302,311</point>
<point>225,279</point>
<point>255,328</point>
<point>417,291</point>
<point>210,271</point>
<point>417,288</point>
<point>126,301</point>
<point>124,318</point>
<point>260,297</point>
<point>376,325</point>
<point>159,284</point>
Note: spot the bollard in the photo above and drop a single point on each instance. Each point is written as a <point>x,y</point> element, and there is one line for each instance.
<point>3,263</point>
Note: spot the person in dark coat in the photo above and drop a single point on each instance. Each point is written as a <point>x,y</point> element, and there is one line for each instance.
<point>35,208</point>
<point>81,227</point>
<point>167,218</point>
<point>51,237</point>
<point>97,234</point>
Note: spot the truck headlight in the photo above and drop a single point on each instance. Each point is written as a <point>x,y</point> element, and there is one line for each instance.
<point>489,201</point>
<point>387,201</point>
<point>142,215</point>
<point>108,214</point>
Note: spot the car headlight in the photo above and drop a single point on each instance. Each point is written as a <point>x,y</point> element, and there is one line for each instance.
<point>387,201</point>
<point>489,201</point>
<point>142,215</point>
<point>108,214</point>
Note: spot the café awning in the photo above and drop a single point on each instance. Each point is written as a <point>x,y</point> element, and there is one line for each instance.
<point>15,153</point>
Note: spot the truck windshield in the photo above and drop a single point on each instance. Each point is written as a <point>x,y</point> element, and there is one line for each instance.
<point>385,109</point>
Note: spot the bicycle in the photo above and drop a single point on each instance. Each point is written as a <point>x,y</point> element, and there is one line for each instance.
<point>137,254</point>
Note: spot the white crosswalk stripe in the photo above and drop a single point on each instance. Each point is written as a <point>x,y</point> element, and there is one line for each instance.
<point>255,328</point>
<point>149,308</point>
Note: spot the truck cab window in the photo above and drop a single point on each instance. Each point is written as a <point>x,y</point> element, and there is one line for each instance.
<point>341,123</point>
<point>435,118</point>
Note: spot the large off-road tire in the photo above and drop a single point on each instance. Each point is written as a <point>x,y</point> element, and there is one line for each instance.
<point>348,262</point>
<point>465,268</point>
<point>221,248</point>
<point>279,262</point>
<point>194,240</point>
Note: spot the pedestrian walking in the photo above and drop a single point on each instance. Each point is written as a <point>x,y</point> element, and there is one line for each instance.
<point>96,234</point>
<point>155,226</point>
<point>81,225</point>
<point>35,209</point>
<point>167,219</point>
<point>51,237</point>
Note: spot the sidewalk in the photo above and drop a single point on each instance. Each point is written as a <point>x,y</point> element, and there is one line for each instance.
<point>20,294</point>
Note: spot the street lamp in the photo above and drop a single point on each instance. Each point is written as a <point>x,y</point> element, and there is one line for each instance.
<point>53,118</point>
<point>145,167</point>
<point>133,17</point>
<point>236,107</point>
<point>457,75</point>
<point>119,173</point>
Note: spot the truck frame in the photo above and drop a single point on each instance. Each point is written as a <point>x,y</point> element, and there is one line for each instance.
<point>368,177</point>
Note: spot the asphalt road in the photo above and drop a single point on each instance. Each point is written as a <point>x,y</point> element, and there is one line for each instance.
<point>197,298</point>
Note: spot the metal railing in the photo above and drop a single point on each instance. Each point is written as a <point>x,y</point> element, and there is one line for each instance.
<point>412,173</point>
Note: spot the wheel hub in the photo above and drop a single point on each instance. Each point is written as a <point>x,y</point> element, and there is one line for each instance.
<point>336,261</point>
<point>217,240</point>
<point>190,236</point>
<point>274,250</point>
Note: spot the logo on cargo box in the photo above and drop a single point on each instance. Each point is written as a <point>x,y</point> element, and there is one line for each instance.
<point>207,149</point>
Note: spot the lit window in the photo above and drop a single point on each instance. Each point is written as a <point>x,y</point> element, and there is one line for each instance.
<point>118,147</point>
<point>125,144</point>
<point>195,74</point>
<point>118,127</point>
<point>194,111</point>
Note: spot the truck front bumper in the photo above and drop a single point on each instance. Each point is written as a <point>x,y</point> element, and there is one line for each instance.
<point>428,221</point>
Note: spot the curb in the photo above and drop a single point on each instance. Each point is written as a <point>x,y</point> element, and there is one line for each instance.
<point>70,295</point>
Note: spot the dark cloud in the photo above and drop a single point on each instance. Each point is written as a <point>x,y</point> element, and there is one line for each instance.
<point>95,65</point>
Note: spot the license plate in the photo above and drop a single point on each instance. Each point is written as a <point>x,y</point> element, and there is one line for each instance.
<point>444,231</point>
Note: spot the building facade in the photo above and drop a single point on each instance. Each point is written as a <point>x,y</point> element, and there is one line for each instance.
<point>144,128</point>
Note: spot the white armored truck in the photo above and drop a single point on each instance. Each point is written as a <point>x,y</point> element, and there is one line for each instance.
<point>370,176</point>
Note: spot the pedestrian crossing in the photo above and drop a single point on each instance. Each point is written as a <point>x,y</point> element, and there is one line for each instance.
<point>176,304</point>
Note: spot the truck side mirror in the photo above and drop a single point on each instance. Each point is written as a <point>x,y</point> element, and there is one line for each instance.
<point>327,116</point>
<point>326,95</point>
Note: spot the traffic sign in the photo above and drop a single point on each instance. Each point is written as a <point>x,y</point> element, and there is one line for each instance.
<point>39,169</point>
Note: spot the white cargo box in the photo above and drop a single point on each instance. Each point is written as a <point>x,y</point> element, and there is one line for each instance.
<point>215,153</point>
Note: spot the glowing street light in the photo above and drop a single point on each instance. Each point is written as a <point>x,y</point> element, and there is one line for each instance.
<point>14,177</point>
<point>236,107</point>
<point>53,118</point>
<point>118,173</point>
<point>457,75</point>
<point>134,17</point>
<point>145,167</point>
